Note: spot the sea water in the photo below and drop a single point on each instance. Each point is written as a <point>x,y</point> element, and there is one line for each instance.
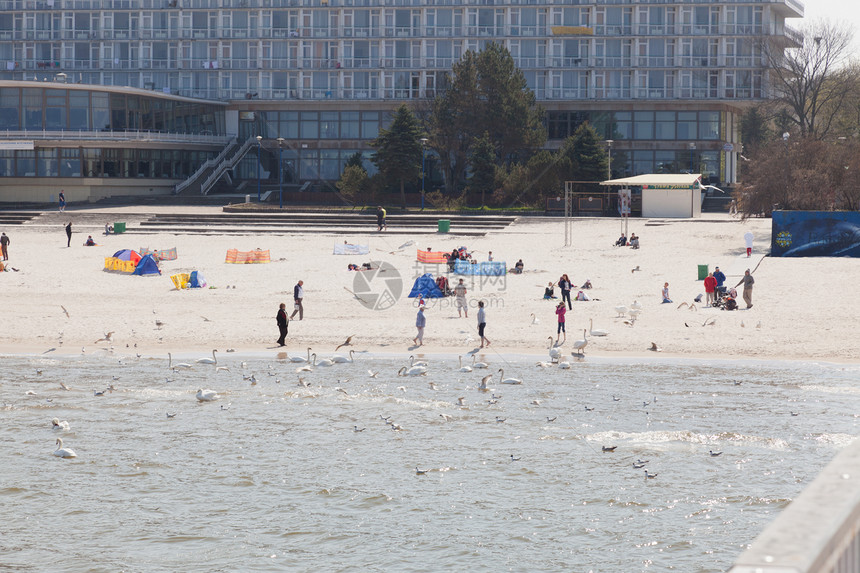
<point>272,476</point>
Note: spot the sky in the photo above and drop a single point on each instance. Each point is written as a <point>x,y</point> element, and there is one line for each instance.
<point>835,11</point>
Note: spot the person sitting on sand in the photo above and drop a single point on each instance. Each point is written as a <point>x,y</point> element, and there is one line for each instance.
<point>549,292</point>
<point>90,242</point>
<point>622,241</point>
<point>634,241</point>
<point>108,228</point>
<point>666,298</point>
<point>586,284</point>
<point>518,268</point>
<point>582,296</point>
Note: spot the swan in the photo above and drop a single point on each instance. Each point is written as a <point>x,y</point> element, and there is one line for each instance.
<point>413,371</point>
<point>212,360</point>
<point>554,352</point>
<point>478,364</point>
<point>463,368</point>
<point>324,362</point>
<point>301,358</point>
<point>504,380</point>
<point>412,362</point>
<point>62,452</point>
<point>636,305</point>
<point>535,320</point>
<point>593,332</point>
<point>581,344</point>
<point>634,313</point>
<point>180,365</point>
<point>564,365</point>
<point>621,310</point>
<point>58,425</point>
<point>206,395</point>
<point>338,359</point>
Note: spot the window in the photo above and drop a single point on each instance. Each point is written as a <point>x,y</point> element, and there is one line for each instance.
<point>349,125</point>
<point>643,125</point>
<point>310,125</point>
<point>329,125</point>
<point>664,127</point>
<point>687,125</point>
<point>709,125</point>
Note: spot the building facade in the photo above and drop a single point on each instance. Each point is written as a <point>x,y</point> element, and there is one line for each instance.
<point>664,80</point>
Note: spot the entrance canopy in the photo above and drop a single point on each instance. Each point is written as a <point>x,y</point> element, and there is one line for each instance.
<point>659,181</point>
<point>666,194</point>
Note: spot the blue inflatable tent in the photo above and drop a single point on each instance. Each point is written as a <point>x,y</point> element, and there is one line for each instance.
<point>425,286</point>
<point>196,280</point>
<point>147,266</point>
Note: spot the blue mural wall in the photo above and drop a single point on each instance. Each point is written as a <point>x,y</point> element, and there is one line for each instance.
<point>815,234</point>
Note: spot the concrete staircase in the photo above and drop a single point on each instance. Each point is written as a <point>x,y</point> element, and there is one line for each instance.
<point>16,217</point>
<point>315,222</point>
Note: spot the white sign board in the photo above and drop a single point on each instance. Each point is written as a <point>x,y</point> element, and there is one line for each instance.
<point>28,145</point>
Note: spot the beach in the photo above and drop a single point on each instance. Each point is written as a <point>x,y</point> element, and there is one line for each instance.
<point>796,315</point>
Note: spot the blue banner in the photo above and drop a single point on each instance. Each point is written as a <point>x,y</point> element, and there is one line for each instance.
<point>815,234</point>
<point>485,268</point>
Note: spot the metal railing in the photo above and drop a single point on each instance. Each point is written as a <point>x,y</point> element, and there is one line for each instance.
<point>134,135</point>
<point>819,532</point>
<point>224,164</point>
<point>209,163</point>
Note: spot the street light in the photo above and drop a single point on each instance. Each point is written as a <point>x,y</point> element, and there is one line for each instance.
<point>692,146</point>
<point>423,141</point>
<point>259,147</point>
<point>609,143</point>
<point>280,174</point>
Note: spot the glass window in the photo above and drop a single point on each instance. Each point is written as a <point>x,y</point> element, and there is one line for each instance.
<point>623,125</point>
<point>79,110</point>
<point>70,163</point>
<point>349,125</point>
<point>664,127</point>
<point>643,125</point>
<point>687,125</point>
<point>289,125</point>
<point>9,100</point>
<point>369,124</point>
<point>330,165</point>
<point>32,104</point>
<point>310,125</point>
<point>665,162</point>
<point>329,125</point>
<point>709,125</point>
<point>26,163</point>
<point>643,162</point>
<point>309,165</point>
<point>7,163</point>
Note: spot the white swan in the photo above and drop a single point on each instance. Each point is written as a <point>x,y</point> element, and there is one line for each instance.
<point>62,452</point>
<point>463,368</point>
<point>338,359</point>
<point>504,380</point>
<point>413,371</point>
<point>535,320</point>
<point>478,364</point>
<point>180,365</point>
<point>593,332</point>
<point>323,362</point>
<point>212,360</point>
<point>554,352</point>
<point>412,362</point>
<point>636,305</point>
<point>308,367</point>
<point>301,358</point>
<point>206,395</point>
<point>581,344</point>
<point>564,365</point>
<point>58,425</point>
<point>621,310</point>
<point>634,313</point>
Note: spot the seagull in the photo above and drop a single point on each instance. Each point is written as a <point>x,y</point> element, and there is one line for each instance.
<point>553,419</point>
<point>50,349</point>
<point>303,383</point>
<point>461,401</point>
<point>614,399</point>
<point>638,461</point>
<point>347,343</point>
<point>795,413</point>
<point>372,374</point>
<point>513,459</point>
<point>107,337</point>
<point>64,387</point>
<point>682,305</point>
<point>484,381</point>
<point>535,402</point>
<point>169,415</point>
<point>217,368</point>
<point>205,319</point>
<point>97,393</point>
<point>66,312</point>
<point>647,475</point>
<point>710,321</point>
<point>357,429</point>
<point>634,269</point>
<point>608,448</point>
<point>655,348</point>
<point>396,427</point>
<point>621,310</point>
<point>500,420</point>
<point>638,466</point>
<point>446,417</point>
<point>714,454</point>
<point>223,407</point>
<point>587,409</point>
<point>758,325</point>
<point>158,324</point>
<point>420,472</point>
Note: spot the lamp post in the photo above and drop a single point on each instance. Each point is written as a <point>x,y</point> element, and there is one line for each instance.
<point>609,143</point>
<point>280,174</point>
<point>259,147</point>
<point>423,141</point>
<point>692,146</point>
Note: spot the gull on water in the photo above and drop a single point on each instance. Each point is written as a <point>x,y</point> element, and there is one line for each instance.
<point>447,417</point>
<point>461,401</point>
<point>553,419</point>
<point>420,472</point>
<point>169,415</point>
<point>357,429</point>
<point>608,448</point>
<point>647,475</point>
<point>714,454</point>
<point>513,459</point>
<point>638,466</point>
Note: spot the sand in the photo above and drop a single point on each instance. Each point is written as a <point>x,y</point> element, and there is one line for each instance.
<point>798,308</point>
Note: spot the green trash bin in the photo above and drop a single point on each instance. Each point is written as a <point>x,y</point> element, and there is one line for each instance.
<point>444,225</point>
<point>703,272</point>
<point>119,227</point>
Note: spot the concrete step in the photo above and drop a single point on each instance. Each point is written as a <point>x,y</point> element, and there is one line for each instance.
<point>222,230</point>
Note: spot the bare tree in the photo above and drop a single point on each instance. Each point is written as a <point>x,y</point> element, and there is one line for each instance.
<point>810,77</point>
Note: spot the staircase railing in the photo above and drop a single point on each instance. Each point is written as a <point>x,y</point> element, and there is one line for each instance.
<point>208,164</point>
<point>226,164</point>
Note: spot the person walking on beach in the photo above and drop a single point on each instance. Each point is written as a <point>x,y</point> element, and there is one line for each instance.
<point>710,288</point>
<point>748,239</point>
<point>298,295</point>
<point>283,324</point>
<point>380,218</point>
<point>666,298</point>
<point>482,324</point>
<point>420,323</point>
<point>62,201</point>
<point>748,282</point>
<point>69,234</point>
<point>460,291</point>
<point>4,245</point>
<point>560,310</point>
<point>565,286</point>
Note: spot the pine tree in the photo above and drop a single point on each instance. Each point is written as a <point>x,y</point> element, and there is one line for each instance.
<point>398,150</point>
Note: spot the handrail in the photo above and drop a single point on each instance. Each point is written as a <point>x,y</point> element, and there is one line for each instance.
<point>132,135</point>
<point>225,165</point>
<point>206,165</point>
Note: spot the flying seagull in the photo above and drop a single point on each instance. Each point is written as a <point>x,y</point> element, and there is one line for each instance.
<point>347,343</point>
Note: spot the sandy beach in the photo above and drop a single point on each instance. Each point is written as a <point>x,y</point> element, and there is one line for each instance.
<point>796,315</point>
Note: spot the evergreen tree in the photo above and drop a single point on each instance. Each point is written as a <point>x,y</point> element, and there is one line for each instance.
<point>355,160</point>
<point>754,129</point>
<point>483,161</point>
<point>586,157</point>
<point>398,150</point>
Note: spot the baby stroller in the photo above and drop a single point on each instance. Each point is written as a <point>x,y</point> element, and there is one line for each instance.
<point>726,299</point>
